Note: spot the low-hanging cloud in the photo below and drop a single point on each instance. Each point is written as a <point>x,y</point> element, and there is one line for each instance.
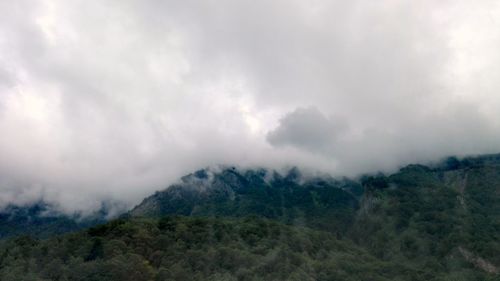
<point>111,101</point>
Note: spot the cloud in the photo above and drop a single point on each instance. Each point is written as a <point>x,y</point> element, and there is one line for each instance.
<point>111,101</point>
<point>305,128</point>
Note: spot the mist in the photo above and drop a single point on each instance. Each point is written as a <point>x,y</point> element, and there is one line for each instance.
<point>110,101</point>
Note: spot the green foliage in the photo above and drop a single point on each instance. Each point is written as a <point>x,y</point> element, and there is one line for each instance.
<point>39,221</point>
<point>413,225</point>
<point>423,215</point>
<point>188,248</point>
<point>322,204</point>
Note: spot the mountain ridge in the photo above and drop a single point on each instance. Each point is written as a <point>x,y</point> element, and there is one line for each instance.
<point>439,222</point>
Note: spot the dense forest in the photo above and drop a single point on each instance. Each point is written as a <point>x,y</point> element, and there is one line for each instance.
<point>180,248</point>
<point>39,220</point>
<point>436,222</point>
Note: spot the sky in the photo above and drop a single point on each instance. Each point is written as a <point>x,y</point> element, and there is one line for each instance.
<point>112,100</point>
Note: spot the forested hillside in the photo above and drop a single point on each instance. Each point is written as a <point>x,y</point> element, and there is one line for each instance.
<point>436,222</point>
<point>427,217</point>
<point>319,202</point>
<point>41,220</point>
<point>182,248</point>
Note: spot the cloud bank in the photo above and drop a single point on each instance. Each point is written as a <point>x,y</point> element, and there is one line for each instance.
<point>111,101</point>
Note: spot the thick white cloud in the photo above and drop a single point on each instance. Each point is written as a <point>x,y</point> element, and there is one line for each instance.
<point>112,100</point>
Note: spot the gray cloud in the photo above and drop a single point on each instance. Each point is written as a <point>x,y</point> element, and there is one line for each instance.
<point>110,101</point>
<point>306,128</point>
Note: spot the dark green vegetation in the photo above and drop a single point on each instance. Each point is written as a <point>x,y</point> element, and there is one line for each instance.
<point>39,221</point>
<point>429,217</point>
<point>182,248</point>
<point>322,203</point>
<point>422,223</point>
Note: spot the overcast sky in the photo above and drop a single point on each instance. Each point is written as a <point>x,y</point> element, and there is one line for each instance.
<point>111,100</point>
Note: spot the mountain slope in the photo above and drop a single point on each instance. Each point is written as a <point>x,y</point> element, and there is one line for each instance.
<point>422,212</point>
<point>180,248</point>
<point>322,203</point>
<point>40,220</point>
<point>439,222</point>
<point>424,216</point>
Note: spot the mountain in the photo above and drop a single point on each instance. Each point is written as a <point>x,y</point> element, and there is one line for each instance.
<point>320,202</point>
<point>435,222</point>
<point>427,216</point>
<point>41,219</point>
